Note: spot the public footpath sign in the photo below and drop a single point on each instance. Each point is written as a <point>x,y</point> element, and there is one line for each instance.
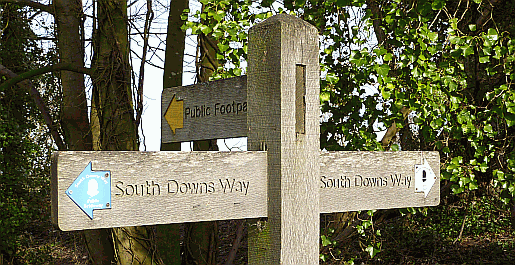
<point>284,177</point>
<point>210,110</point>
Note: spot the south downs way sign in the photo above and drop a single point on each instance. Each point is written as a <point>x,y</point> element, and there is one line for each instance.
<point>145,188</point>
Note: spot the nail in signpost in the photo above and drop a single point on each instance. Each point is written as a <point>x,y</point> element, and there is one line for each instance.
<point>285,177</point>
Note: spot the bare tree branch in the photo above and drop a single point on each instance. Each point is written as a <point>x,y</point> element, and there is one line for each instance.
<point>139,94</point>
<point>56,67</point>
<point>28,86</point>
<point>30,3</point>
<point>393,130</point>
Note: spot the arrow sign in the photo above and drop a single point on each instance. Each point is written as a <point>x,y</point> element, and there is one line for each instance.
<point>148,188</point>
<point>174,114</point>
<point>91,190</point>
<point>212,110</point>
<point>424,178</point>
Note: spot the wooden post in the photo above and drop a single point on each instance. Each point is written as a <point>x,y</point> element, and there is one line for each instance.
<point>283,119</point>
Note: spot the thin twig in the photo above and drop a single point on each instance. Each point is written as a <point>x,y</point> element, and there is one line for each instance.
<point>461,230</point>
<point>139,97</point>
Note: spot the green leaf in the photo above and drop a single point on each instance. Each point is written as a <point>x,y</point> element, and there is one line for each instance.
<point>205,29</point>
<point>489,129</point>
<point>492,33</point>
<point>324,96</point>
<point>468,50</point>
<point>394,147</point>
<point>372,251</point>
<point>331,78</point>
<point>472,27</point>
<point>223,47</point>
<point>341,3</point>
<point>386,93</point>
<point>438,4</point>
<point>454,39</point>
<point>325,241</point>
<point>388,57</point>
<point>510,120</point>
<point>383,70</point>
<point>456,52</point>
<point>484,59</point>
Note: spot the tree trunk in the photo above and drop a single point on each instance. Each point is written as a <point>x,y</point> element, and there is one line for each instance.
<point>112,98</point>
<point>168,236</point>
<point>201,237</point>
<point>74,113</point>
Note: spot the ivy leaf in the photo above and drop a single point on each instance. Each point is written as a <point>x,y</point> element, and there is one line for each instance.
<point>372,251</point>
<point>492,33</point>
<point>438,4</point>
<point>324,96</point>
<point>472,27</point>
<point>382,70</point>
<point>341,3</point>
<point>489,129</point>
<point>223,47</point>
<point>510,120</point>
<point>325,241</point>
<point>468,50</point>
<point>205,29</point>
<point>388,57</point>
<point>386,94</point>
<point>484,59</point>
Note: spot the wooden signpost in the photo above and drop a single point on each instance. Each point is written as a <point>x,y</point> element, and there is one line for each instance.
<point>285,177</point>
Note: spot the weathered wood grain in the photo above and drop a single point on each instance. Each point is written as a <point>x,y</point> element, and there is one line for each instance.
<point>348,181</point>
<point>176,200</point>
<point>283,95</point>
<point>352,181</point>
<point>213,110</point>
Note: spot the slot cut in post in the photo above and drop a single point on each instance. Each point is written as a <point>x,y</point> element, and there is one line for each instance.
<point>300,99</point>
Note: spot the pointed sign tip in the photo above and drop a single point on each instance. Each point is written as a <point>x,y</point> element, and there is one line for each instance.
<point>91,190</point>
<point>425,178</point>
<point>174,114</point>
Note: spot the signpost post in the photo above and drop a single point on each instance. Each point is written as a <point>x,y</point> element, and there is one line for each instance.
<point>285,178</point>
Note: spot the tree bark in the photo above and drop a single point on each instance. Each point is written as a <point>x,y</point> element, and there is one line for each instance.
<point>112,98</point>
<point>74,117</point>
<point>74,112</point>
<point>168,236</point>
<point>201,238</point>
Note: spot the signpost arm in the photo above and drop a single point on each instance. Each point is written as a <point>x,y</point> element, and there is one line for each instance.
<point>283,119</point>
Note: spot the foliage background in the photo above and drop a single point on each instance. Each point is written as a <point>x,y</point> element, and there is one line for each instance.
<point>433,75</point>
